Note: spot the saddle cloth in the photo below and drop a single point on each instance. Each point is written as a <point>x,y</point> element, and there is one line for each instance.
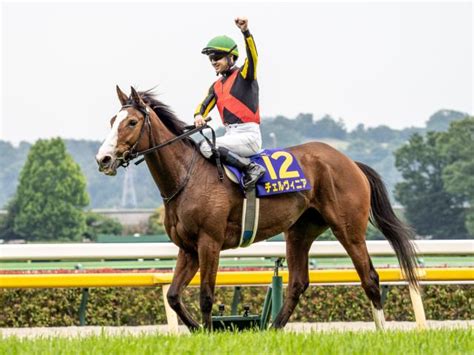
<point>283,173</point>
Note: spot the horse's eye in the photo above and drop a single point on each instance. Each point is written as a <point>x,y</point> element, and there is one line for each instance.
<point>133,123</point>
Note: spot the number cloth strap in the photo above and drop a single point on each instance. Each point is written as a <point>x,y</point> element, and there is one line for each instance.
<point>250,214</point>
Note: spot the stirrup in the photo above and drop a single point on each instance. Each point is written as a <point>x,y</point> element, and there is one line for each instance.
<point>253,179</point>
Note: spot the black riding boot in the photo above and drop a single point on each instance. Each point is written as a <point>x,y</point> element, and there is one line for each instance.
<point>252,171</point>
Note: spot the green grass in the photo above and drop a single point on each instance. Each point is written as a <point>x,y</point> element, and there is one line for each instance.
<point>458,341</point>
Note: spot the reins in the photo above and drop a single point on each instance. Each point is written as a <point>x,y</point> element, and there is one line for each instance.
<point>190,130</point>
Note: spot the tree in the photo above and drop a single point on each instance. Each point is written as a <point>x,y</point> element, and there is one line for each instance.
<point>156,221</point>
<point>382,134</point>
<point>457,146</point>
<point>7,223</point>
<point>98,224</point>
<point>440,120</point>
<point>328,127</point>
<point>304,121</point>
<point>50,195</point>
<point>431,209</point>
<point>11,160</point>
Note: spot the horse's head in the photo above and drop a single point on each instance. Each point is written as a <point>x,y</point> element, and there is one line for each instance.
<point>126,134</point>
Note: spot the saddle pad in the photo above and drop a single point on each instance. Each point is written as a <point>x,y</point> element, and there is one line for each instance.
<point>283,173</point>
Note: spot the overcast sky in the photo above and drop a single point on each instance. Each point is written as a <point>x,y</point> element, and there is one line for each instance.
<point>371,63</point>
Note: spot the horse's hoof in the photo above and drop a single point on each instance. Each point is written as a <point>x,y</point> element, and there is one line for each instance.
<point>194,328</point>
<point>276,327</point>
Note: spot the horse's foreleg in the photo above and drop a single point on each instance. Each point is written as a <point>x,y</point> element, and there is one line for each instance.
<point>209,250</point>
<point>186,267</point>
<point>297,258</point>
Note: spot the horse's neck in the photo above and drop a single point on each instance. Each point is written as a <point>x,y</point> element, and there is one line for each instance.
<point>168,165</point>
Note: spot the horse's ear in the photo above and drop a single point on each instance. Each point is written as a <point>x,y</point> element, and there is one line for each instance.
<point>121,96</point>
<point>136,98</point>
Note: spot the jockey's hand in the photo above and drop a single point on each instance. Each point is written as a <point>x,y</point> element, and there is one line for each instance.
<point>242,23</point>
<point>199,121</point>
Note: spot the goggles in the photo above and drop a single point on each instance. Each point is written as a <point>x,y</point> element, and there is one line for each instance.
<point>214,57</point>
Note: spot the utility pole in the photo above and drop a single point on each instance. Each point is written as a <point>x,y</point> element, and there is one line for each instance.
<point>129,197</point>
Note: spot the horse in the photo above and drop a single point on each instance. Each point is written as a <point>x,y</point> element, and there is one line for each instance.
<point>203,213</point>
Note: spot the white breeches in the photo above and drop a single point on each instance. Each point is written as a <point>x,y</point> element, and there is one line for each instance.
<point>243,139</point>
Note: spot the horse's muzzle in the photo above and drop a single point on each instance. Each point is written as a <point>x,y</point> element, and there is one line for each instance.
<point>107,164</point>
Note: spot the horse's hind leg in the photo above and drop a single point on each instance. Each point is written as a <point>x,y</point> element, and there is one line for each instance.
<point>369,280</point>
<point>187,265</point>
<point>357,249</point>
<point>348,216</point>
<point>298,242</point>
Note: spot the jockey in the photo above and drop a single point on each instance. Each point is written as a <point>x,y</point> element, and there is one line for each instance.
<point>236,95</point>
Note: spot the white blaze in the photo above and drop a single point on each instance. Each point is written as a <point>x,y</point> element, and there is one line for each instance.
<point>110,143</point>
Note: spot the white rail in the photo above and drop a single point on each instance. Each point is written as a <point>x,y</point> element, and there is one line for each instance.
<point>110,251</point>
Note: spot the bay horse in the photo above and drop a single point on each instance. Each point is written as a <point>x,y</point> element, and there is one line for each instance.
<point>203,214</point>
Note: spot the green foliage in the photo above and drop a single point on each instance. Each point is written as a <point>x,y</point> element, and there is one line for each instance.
<point>50,195</point>
<point>7,223</point>
<point>285,132</point>
<point>156,221</point>
<point>431,209</point>
<point>141,306</point>
<point>457,146</point>
<point>440,120</point>
<point>470,221</point>
<point>328,127</point>
<point>98,224</point>
<point>439,180</point>
<point>11,161</point>
<point>373,233</point>
<point>367,152</point>
<point>3,227</point>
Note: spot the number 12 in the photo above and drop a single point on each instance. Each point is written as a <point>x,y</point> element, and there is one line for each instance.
<point>283,173</point>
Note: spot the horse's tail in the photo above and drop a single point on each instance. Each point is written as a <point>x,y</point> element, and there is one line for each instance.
<point>384,219</point>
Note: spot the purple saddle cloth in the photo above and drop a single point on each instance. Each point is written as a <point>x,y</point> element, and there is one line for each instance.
<point>283,173</point>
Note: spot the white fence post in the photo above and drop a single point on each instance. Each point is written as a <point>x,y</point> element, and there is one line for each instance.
<point>171,315</point>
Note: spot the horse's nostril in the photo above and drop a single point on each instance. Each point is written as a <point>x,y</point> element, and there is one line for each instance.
<point>105,160</point>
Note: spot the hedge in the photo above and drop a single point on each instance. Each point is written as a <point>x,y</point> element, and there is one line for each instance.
<point>144,306</point>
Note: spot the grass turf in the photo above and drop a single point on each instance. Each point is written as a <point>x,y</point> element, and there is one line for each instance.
<point>456,341</point>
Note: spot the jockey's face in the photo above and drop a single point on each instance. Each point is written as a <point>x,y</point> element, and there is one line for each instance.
<point>221,65</point>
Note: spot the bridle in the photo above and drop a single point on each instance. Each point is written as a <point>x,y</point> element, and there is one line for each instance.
<point>132,153</point>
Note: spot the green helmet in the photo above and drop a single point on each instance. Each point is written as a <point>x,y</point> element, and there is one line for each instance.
<point>221,44</point>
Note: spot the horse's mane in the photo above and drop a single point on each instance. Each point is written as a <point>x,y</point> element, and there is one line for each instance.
<point>166,115</point>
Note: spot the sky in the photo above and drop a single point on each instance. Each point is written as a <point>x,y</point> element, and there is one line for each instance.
<point>392,63</point>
